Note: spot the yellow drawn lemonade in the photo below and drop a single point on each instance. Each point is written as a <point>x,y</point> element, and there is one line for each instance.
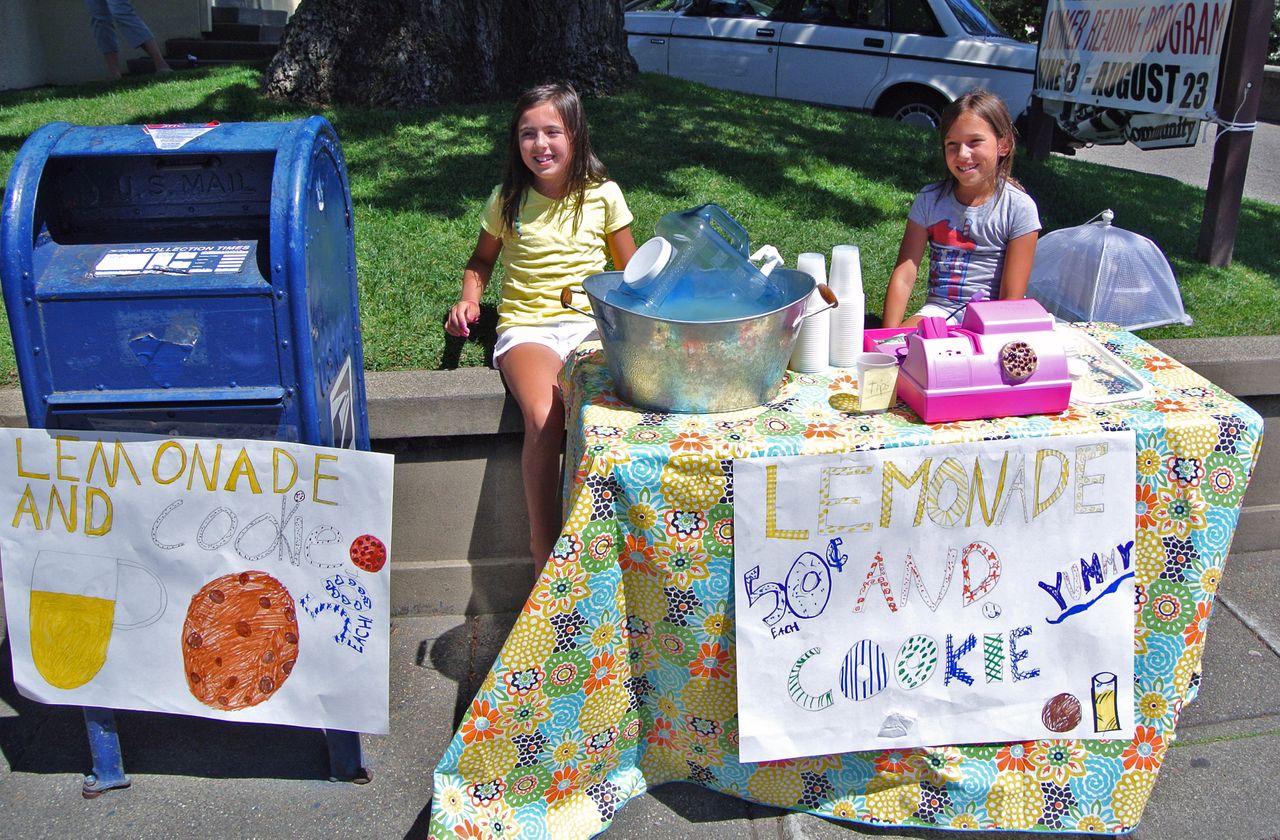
<point>69,636</point>
<point>1106,713</point>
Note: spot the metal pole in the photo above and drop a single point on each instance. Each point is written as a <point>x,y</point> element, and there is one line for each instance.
<point>1241,93</point>
<point>104,748</point>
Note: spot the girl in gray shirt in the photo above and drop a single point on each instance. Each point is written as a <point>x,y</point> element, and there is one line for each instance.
<point>980,225</point>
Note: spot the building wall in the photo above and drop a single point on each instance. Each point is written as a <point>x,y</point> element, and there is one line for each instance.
<point>48,41</point>
<point>21,50</point>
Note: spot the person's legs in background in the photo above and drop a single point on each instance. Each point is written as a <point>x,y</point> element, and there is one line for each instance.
<point>104,16</point>
<point>104,35</point>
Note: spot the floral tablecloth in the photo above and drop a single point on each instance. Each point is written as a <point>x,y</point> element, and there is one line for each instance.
<point>619,674</point>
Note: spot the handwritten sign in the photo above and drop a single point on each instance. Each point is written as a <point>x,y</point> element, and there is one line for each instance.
<point>935,595</point>
<point>232,579</point>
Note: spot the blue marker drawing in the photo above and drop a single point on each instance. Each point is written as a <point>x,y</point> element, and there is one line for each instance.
<point>806,590</point>
<point>1079,608</point>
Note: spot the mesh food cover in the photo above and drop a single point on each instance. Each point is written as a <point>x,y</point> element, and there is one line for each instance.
<point>1097,272</point>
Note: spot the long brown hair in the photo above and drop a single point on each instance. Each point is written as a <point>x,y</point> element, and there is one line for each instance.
<point>992,110</point>
<point>585,169</point>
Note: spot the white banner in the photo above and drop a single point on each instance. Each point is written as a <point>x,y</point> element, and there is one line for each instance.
<point>232,579</point>
<point>950,594</point>
<point>1144,56</point>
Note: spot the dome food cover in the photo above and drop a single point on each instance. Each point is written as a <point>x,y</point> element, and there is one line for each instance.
<point>1096,272</point>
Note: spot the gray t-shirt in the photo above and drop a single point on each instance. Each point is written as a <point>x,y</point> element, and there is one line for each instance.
<point>967,244</point>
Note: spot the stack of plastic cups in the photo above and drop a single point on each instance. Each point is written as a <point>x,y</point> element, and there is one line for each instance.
<point>847,319</point>
<point>813,346</point>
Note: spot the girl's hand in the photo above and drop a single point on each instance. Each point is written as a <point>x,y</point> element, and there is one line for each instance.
<point>474,278</point>
<point>463,314</point>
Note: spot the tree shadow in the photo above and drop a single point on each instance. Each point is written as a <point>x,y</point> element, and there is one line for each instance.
<point>50,739</point>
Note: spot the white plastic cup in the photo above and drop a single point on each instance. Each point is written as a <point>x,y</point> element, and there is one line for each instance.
<point>847,319</point>
<point>813,345</point>
<point>877,382</point>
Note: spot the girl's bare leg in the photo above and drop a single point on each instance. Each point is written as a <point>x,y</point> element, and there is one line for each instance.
<point>530,371</point>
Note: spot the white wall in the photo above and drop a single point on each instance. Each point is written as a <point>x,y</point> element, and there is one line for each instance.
<point>21,50</point>
<point>49,42</point>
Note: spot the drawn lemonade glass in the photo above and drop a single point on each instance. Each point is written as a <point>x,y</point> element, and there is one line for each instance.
<point>73,612</point>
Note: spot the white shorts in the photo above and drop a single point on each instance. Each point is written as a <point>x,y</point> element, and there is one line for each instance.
<point>561,336</point>
<point>953,313</point>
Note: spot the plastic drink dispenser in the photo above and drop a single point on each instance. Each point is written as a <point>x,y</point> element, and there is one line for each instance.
<point>697,268</point>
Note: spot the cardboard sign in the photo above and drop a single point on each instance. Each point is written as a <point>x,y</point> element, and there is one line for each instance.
<point>935,595</point>
<point>232,579</point>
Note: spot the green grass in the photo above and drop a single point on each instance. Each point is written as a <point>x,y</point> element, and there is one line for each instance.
<point>800,177</point>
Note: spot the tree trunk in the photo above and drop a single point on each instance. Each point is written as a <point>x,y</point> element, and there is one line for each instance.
<point>407,53</point>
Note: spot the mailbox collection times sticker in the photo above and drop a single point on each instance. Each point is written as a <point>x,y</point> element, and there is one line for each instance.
<point>190,258</point>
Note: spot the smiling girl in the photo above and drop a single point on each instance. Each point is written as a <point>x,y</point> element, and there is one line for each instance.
<point>555,219</point>
<point>979,223</point>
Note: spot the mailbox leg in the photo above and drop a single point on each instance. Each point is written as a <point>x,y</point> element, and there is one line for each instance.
<point>346,761</point>
<point>104,747</point>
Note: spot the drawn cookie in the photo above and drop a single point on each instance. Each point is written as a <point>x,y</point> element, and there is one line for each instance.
<point>1061,713</point>
<point>917,659</point>
<point>1018,360</point>
<point>368,553</point>
<point>240,640</point>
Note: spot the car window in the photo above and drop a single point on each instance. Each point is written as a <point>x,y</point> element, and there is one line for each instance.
<point>913,16</point>
<point>975,19</point>
<point>730,8</point>
<point>656,5</point>
<point>865,14</point>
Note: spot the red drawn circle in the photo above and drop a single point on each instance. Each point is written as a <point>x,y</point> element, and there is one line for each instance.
<point>368,553</point>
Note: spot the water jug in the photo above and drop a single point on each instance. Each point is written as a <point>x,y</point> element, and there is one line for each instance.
<point>696,269</point>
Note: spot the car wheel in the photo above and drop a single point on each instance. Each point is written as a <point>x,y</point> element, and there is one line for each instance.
<point>913,106</point>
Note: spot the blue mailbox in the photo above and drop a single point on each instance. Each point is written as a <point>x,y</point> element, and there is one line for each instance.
<point>189,279</point>
<point>194,280</point>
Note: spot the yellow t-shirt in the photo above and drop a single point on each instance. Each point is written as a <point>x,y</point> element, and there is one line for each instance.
<point>546,254</point>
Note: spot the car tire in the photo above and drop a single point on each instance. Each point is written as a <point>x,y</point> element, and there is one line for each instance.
<point>912,105</point>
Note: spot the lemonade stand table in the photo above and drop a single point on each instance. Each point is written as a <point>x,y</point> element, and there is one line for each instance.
<point>619,674</point>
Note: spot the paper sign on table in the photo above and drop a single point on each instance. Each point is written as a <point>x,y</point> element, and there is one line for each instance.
<point>963,593</point>
<point>233,579</point>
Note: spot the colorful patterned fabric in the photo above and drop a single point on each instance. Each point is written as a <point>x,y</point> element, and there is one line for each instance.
<point>619,674</point>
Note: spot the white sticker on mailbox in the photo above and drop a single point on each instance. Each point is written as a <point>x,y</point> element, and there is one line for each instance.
<point>179,259</point>
<point>176,135</point>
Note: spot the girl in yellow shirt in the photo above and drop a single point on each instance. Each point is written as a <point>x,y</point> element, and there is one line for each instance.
<point>554,220</point>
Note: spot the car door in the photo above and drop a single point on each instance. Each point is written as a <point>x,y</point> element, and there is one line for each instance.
<point>833,51</point>
<point>731,45</point>
<point>953,46</point>
<point>648,36</point>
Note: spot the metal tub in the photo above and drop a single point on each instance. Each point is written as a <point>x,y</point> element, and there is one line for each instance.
<point>699,366</point>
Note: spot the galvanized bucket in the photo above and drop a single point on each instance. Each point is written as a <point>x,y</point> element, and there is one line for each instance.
<point>699,366</point>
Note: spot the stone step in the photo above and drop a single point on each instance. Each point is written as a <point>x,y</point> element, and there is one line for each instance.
<point>145,66</point>
<point>220,50</point>
<point>255,32</point>
<point>239,14</point>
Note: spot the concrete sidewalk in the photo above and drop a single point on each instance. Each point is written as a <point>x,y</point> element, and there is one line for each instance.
<point>195,778</point>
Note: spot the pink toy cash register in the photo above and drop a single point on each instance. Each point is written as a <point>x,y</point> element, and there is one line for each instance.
<point>1003,360</point>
